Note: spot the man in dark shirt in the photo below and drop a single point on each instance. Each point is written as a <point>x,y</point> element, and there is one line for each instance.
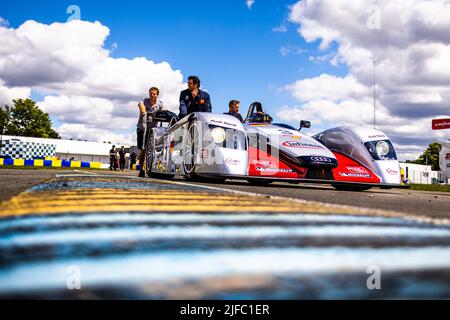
<point>234,109</point>
<point>193,99</point>
<point>122,158</point>
<point>112,158</point>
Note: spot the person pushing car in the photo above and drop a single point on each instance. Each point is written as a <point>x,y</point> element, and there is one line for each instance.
<point>148,105</point>
<point>193,99</point>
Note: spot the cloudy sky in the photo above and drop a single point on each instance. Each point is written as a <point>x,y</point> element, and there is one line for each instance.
<point>88,65</point>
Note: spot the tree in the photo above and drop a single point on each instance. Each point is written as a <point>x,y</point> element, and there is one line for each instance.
<point>4,120</point>
<point>26,119</point>
<point>430,156</point>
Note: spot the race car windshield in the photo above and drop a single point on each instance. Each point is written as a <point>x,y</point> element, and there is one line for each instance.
<point>234,139</point>
<point>381,150</point>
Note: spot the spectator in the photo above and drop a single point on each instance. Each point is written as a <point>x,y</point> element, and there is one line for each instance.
<point>112,158</point>
<point>122,158</point>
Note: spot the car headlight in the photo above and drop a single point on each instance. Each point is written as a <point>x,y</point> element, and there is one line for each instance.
<point>218,134</point>
<point>382,148</point>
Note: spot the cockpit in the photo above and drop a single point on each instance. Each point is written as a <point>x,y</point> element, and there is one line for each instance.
<point>256,114</point>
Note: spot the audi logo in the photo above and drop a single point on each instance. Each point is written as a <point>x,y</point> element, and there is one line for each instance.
<point>320,159</point>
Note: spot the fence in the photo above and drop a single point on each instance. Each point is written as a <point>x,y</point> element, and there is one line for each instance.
<point>426,177</point>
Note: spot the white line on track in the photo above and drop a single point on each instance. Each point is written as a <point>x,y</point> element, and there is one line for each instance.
<point>85,172</point>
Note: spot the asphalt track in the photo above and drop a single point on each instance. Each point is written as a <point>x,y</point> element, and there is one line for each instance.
<point>434,205</point>
<point>143,238</point>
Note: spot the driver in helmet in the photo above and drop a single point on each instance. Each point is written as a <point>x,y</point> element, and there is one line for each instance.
<point>257,115</point>
<point>260,117</point>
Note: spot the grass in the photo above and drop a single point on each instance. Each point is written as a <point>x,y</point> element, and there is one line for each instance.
<point>431,187</point>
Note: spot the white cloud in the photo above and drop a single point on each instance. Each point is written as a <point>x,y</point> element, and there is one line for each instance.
<point>345,112</point>
<point>332,58</point>
<point>250,4</point>
<point>411,44</point>
<point>4,22</point>
<point>7,94</point>
<point>327,87</point>
<point>280,28</point>
<point>84,87</point>
<point>291,50</point>
<point>81,132</point>
<point>284,51</point>
<point>94,112</point>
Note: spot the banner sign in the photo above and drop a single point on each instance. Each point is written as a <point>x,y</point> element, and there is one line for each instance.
<point>439,124</point>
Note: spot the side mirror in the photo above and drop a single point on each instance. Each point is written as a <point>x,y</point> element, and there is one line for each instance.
<point>304,124</point>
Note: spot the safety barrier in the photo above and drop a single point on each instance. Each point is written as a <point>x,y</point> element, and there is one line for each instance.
<point>49,162</point>
<point>136,167</point>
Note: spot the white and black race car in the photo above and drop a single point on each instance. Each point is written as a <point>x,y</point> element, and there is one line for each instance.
<point>219,147</point>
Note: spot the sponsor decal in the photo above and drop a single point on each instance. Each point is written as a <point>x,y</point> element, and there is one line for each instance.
<point>355,175</point>
<point>392,171</point>
<point>273,169</point>
<point>289,134</point>
<point>222,122</point>
<point>233,162</point>
<point>357,170</point>
<point>265,163</point>
<point>320,159</point>
<point>298,144</point>
<point>375,136</point>
<point>447,156</point>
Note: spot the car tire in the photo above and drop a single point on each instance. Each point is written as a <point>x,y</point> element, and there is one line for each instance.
<point>149,147</point>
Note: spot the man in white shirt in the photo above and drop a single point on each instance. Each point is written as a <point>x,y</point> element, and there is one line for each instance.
<point>146,105</point>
